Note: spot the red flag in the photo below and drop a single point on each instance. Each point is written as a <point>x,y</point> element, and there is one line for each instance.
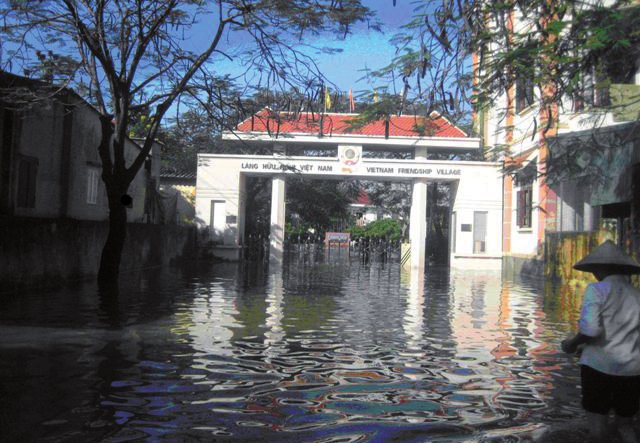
<point>352,104</point>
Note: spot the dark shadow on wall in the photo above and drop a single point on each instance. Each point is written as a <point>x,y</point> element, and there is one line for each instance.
<point>52,252</point>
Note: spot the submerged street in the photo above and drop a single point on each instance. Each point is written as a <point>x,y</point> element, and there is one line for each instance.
<point>323,350</point>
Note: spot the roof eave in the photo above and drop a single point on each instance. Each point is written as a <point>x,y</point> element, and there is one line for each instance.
<point>467,143</point>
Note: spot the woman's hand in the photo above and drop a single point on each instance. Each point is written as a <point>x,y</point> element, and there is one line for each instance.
<point>569,345</point>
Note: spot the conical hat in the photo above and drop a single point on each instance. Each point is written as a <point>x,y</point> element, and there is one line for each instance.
<point>608,254</point>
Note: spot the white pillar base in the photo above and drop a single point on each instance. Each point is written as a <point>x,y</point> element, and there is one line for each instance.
<point>276,233</point>
<point>418,224</point>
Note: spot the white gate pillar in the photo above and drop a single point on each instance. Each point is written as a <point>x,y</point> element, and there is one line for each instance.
<point>418,224</point>
<point>276,233</point>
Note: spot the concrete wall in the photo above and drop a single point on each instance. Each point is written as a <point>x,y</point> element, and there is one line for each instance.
<point>517,266</point>
<point>182,197</point>
<point>48,252</point>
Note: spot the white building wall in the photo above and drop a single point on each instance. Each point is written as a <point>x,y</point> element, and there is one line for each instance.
<point>477,192</point>
<point>220,181</point>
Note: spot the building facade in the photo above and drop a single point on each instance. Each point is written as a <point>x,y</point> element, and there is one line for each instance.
<point>570,166</point>
<point>49,161</point>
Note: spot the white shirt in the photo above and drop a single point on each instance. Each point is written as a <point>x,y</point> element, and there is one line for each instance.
<point>611,313</point>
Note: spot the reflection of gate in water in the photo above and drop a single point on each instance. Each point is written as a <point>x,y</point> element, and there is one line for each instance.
<point>376,249</point>
<point>363,249</point>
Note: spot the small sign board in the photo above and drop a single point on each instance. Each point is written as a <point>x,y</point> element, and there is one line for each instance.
<point>342,238</point>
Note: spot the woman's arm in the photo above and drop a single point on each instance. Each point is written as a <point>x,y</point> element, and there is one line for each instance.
<point>570,345</point>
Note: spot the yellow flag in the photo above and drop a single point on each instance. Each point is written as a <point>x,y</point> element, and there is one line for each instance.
<point>352,103</point>
<point>375,96</point>
<point>327,99</point>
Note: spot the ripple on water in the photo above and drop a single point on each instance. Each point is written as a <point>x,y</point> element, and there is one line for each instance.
<point>318,353</point>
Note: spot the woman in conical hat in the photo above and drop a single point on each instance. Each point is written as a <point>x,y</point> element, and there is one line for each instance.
<point>609,331</point>
<point>608,256</point>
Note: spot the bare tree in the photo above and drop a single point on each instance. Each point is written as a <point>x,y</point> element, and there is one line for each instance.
<point>128,57</point>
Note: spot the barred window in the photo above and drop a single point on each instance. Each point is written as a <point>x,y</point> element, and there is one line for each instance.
<point>93,175</point>
<point>524,207</point>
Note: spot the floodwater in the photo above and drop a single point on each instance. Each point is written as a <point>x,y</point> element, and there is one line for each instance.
<point>318,351</point>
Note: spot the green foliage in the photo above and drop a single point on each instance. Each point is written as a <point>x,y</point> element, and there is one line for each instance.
<point>356,231</point>
<point>192,132</point>
<point>258,204</point>
<point>386,228</point>
<point>317,202</point>
<point>394,198</point>
<point>302,231</point>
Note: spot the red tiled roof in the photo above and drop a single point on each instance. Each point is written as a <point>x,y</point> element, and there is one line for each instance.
<point>363,198</point>
<point>333,123</point>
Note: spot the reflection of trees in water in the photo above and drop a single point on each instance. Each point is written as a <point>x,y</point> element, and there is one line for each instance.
<point>439,290</point>
<point>561,304</point>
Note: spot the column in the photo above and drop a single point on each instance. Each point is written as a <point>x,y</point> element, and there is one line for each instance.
<point>276,235</point>
<point>418,224</point>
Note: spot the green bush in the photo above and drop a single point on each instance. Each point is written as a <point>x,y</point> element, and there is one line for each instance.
<point>386,228</point>
<point>301,233</point>
<point>356,231</point>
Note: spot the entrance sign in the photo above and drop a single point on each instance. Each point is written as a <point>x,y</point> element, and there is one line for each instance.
<point>362,168</point>
<point>476,187</point>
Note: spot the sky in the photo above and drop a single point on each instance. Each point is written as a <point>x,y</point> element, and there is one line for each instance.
<point>366,48</point>
<point>361,50</point>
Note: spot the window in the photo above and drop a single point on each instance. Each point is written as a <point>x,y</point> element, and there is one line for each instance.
<point>27,173</point>
<point>617,67</point>
<point>524,91</point>
<point>583,96</point>
<point>93,175</point>
<point>524,206</point>
<point>593,90</point>
<point>479,232</point>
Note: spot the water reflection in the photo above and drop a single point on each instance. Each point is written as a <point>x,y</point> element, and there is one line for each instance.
<point>211,319</point>
<point>413,323</point>
<point>312,351</point>
<point>275,332</point>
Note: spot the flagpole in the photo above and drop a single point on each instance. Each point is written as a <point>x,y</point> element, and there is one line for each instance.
<point>352,105</point>
<point>324,98</point>
<point>324,108</point>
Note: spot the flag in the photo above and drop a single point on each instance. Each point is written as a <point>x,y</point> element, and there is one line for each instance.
<point>375,96</point>
<point>352,104</point>
<point>327,99</point>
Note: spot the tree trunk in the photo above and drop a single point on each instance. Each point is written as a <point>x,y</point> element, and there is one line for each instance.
<point>635,210</point>
<point>112,250</point>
